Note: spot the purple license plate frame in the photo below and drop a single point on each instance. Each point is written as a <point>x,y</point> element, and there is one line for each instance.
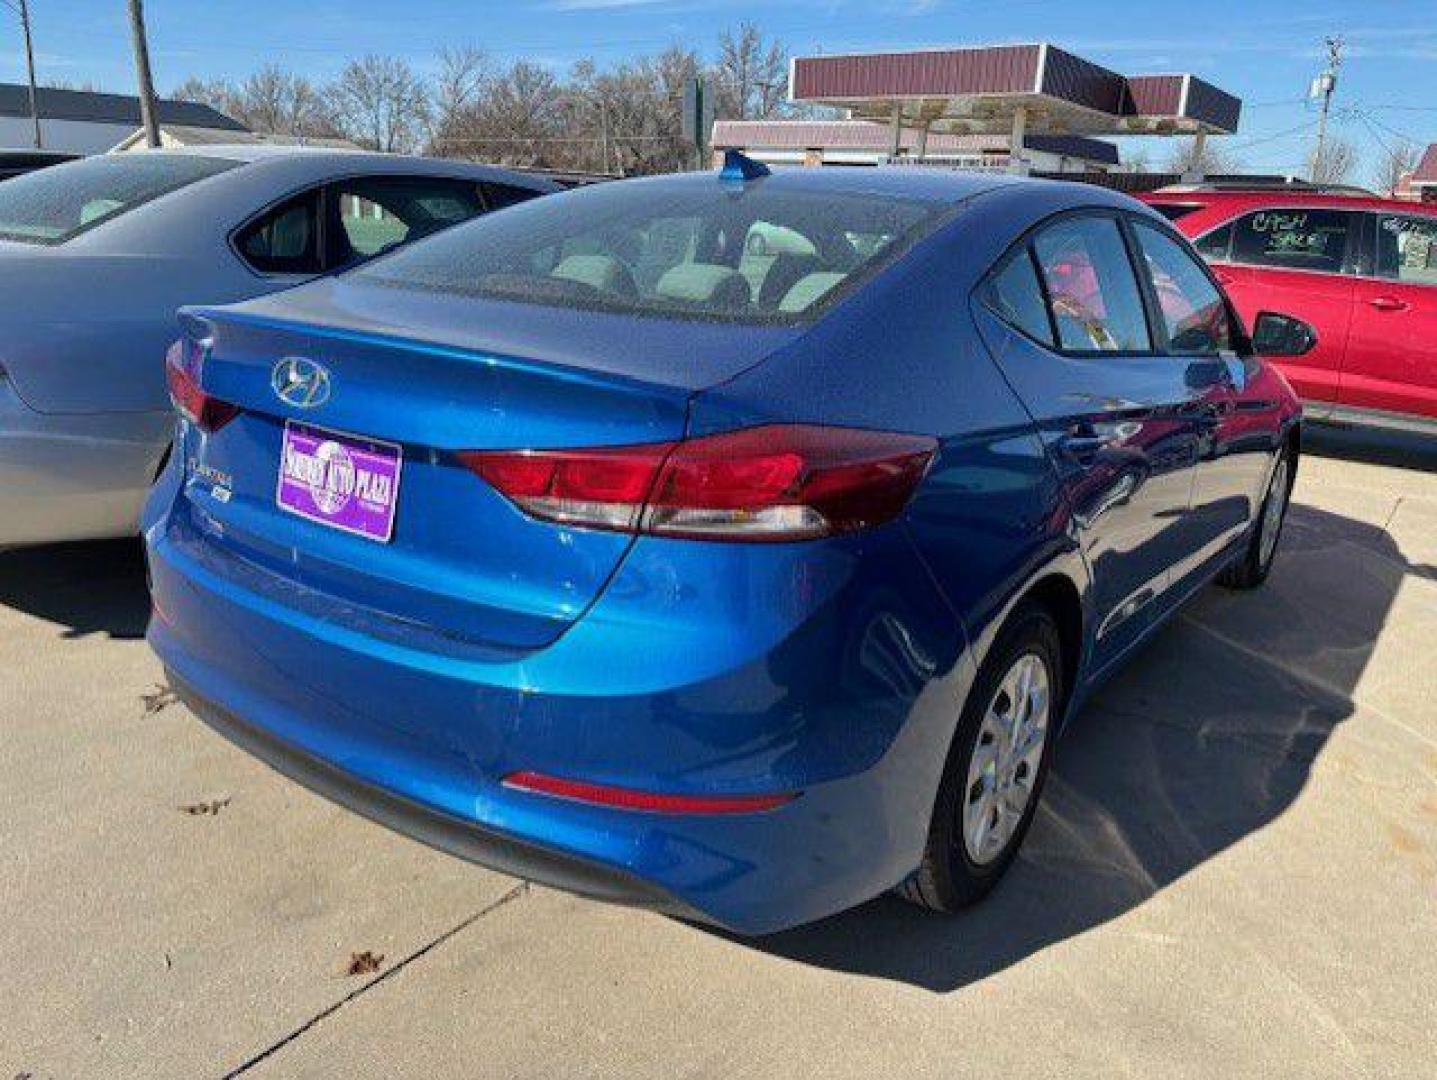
<point>345,482</point>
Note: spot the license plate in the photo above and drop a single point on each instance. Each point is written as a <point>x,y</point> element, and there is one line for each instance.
<point>347,482</point>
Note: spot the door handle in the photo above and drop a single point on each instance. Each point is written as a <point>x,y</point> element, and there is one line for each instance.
<point>1389,303</point>
<point>1084,445</point>
<point>1222,278</point>
<point>1085,441</point>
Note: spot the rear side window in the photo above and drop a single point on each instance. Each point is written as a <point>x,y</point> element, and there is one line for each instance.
<point>498,196</point>
<point>1300,239</point>
<point>1193,311</point>
<point>1016,297</point>
<point>53,205</point>
<point>286,239</point>
<point>1407,248</point>
<point>1091,288</point>
<point>377,213</point>
<point>1215,245</point>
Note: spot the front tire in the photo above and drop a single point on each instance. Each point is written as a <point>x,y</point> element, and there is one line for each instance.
<point>1251,570</point>
<point>996,766</point>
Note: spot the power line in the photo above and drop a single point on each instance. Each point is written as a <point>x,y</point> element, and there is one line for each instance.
<point>1305,126</point>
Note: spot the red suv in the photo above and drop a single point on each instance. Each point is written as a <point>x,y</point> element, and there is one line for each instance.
<point>1361,270</point>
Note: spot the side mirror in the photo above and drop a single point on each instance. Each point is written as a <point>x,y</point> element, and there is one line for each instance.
<point>1282,335</point>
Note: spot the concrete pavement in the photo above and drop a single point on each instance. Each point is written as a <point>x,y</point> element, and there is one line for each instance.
<point>1234,872</point>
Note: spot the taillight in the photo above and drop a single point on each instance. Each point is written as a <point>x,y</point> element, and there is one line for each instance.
<point>772,483</point>
<point>183,363</point>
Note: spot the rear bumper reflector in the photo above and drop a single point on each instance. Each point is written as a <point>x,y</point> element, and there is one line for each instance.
<point>645,801</point>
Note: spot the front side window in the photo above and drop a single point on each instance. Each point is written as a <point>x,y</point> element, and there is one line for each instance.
<point>1091,288</point>
<point>1193,311</point>
<point>377,213</point>
<point>51,206</point>
<point>1407,248</point>
<point>684,248</point>
<point>1300,239</point>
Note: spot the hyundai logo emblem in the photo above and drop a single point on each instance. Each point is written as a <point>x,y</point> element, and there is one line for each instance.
<point>300,382</point>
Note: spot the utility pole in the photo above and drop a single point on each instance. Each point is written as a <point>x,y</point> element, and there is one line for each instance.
<point>1324,86</point>
<point>148,115</point>
<point>30,64</point>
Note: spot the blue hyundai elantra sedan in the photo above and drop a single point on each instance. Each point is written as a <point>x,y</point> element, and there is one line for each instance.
<point>734,545</point>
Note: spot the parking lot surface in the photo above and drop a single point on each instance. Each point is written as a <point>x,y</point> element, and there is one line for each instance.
<point>1234,871</point>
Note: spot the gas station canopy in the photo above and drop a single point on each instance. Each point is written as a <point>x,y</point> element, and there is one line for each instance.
<point>1005,88</point>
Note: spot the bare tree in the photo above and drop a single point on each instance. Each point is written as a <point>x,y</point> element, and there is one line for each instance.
<point>217,93</point>
<point>625,118</point>
<point>1334,163</point>
<point>86,87</point>
<point>278,101</point>
<point>1207,160</point>
<point>1139,161</point>
<point>751,75</point>
<point>380,103</point>
<point>1396,162</point>
<point>271,101</point>
<point>464,73</point>
<point>631,114</point>
<point>519,119</point>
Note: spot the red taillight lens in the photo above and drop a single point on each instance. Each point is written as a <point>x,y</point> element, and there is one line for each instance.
<point>779,482</point>
<point>604,489</point>
<point>182,373</point>
<point>645,801</point>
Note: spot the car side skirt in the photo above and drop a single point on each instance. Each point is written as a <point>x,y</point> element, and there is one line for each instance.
<point>1357,416</point>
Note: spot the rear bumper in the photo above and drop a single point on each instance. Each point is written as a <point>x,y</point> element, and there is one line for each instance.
<point>74,477</point>
<point>692,688</point>
<point>463,839</point>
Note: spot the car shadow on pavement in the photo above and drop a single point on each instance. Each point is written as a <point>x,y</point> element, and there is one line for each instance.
<point>1205,738</point>
<point>92,588</point>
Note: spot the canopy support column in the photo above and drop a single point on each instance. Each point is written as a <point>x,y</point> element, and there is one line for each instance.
<point>1017,157</point>
<point>1194,172</point>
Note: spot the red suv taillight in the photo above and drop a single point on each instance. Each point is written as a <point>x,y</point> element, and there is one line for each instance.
<point>182,374</point>
<point>772,483</point>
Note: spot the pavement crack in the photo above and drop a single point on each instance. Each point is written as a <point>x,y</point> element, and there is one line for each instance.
<point>1396,506</point>
<point>513,894</point>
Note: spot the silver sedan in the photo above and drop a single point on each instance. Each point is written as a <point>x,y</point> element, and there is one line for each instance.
<point>97,255</point>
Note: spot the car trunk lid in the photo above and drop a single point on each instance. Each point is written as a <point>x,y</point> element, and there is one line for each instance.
<point>454,565</point>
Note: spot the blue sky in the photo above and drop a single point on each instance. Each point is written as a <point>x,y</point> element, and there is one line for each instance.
<point>1265,51</point>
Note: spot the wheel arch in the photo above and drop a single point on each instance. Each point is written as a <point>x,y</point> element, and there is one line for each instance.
<point>1058,594</point>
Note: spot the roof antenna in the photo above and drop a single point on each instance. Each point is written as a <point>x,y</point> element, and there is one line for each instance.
<point>738,167</point>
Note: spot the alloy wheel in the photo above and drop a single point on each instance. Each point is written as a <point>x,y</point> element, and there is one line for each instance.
<point>1273,510</point>
<point>1003,771</point>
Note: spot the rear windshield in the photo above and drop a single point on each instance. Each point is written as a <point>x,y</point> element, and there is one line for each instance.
<point>52,205</point>
<point>695,249</point>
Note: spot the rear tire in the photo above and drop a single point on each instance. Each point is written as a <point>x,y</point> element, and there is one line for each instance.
<point>962,861</point>
<point>1251,570</point>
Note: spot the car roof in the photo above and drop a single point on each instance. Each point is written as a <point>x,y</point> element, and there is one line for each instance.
<point>317,158</point>
<point>1255,200</point>
<point>934,184</point>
